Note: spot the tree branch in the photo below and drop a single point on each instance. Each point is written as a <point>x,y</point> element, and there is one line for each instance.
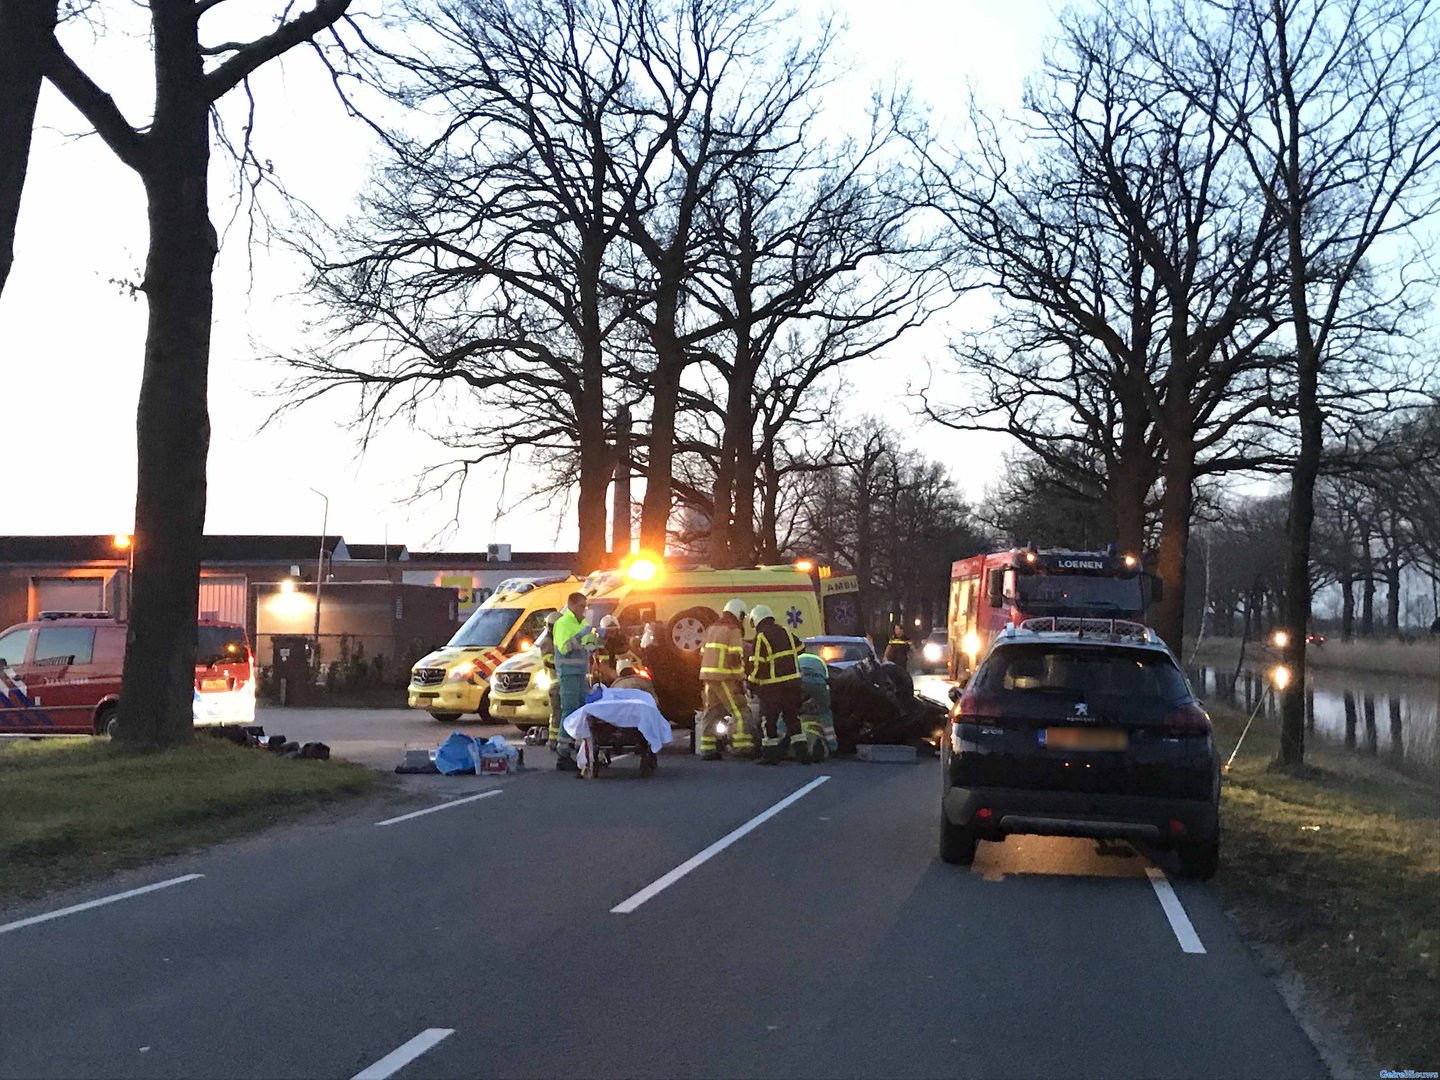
<point>279,41</point>
<point>95,105</point>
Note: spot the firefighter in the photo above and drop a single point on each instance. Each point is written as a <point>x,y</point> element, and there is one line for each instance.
<point>614,650</point>
<point>775,675</point>
<point>722,679</point>
<point>574,642</point>
<point>546,644</point>
<point>898,650</point>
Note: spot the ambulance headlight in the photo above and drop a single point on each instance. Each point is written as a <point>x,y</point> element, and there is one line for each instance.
<point>542,680</point>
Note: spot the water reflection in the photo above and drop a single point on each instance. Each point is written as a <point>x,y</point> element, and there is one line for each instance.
<point>1342,709</point>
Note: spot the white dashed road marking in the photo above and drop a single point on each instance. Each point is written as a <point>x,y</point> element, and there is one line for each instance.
<point>20,924</point>
<point>442,806</point>
<point>661,884</point>
<point>1174,911</point>
<point>401,1056</point>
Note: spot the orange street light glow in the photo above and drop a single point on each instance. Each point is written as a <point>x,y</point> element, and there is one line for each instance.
<point>1281,674</point>
<point>122,541</point>
<point>1281,638</point>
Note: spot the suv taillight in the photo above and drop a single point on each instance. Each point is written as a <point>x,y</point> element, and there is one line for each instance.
<point>1187,720</point>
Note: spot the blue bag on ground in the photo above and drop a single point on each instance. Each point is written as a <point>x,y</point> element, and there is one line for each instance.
<point>456,754</point>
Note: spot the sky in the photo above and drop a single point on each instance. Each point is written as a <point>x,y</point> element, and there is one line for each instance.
<point>72,330</point>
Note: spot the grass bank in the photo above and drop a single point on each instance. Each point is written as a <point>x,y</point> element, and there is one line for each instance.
<point>75,809</point>
<point>1338,870</point>
<point>1420,658</point>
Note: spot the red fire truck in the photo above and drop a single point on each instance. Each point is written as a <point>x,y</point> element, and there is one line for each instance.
<point>987,592</point>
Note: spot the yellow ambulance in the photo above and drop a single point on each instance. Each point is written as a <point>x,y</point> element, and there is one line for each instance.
<point>520,691</point>
<point>456,679</point>
<point>679,602</point>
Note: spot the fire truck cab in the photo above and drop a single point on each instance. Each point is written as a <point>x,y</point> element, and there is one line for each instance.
<point>989,592</point>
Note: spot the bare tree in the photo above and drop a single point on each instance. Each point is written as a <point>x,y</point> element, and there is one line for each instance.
<point>483,256</point>
<point>1141,271</point>
<point>715,98</point>
<point>171,155</point>
<point>1337,108</point>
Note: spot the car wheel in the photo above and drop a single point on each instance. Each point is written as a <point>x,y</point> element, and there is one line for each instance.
<point>445,717</point>
<point>1199,859</point>
<point>687,630</point>
<point>484,711</point>
<point>957,842</point>
<point>105,720</point>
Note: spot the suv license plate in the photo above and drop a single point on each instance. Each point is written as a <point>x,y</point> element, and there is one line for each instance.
<point>1077,738</point>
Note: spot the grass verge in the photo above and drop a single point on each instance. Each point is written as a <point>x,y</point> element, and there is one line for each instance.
<point>1337,869</point>
<point>76,809</point>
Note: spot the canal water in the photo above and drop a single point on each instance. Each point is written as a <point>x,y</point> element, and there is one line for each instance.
<point>1389,718</point>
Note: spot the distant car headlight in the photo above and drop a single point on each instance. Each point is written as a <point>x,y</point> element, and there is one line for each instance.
<point>721,727</point>
<point>542,680</point>
<point>933,652</point>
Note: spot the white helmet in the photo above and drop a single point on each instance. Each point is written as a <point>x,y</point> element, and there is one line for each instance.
<point>759,613</point>
<point>608,621</point>
<point>736,607</point>
<point>552,618</point>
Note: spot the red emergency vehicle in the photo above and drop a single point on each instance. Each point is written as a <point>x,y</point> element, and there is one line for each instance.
<point>988,592</point>
<point>60,674</point>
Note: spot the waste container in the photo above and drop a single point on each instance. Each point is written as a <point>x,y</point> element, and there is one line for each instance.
<point>290,667</point>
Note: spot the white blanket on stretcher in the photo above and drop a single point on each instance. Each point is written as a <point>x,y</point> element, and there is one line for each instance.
<point>622,708</point>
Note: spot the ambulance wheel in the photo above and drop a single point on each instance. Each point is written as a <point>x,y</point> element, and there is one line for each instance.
<point>687,630</point>
<point>445,717</point>
<point>106,719</point>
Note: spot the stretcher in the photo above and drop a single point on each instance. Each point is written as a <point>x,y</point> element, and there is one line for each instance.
<point>618,721</point>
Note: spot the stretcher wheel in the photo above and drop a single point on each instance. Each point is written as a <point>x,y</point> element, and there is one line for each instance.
<point>647,762</point>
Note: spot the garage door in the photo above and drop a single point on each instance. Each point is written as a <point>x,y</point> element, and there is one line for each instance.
<point>222,599</point>
<point>69,594</point>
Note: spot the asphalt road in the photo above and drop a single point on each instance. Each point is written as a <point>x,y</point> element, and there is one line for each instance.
<point>482,939</point>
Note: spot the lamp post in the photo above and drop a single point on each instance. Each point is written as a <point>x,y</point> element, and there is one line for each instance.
<point>126,543</point>
<point>320,571</point>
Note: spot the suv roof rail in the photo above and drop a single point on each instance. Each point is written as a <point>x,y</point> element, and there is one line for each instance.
<point>47,615</point>
<point>1114,628</point>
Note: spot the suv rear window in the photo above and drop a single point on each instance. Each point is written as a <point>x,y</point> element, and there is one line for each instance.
<point>1126,682</point>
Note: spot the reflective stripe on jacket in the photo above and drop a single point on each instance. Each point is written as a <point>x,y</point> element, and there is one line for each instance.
<point>723,654</point>
<point>776,655</point>
<point>571,654</point>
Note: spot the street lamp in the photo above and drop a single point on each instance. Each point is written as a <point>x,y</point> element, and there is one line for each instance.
<point>126,543</point>
<point>320,570</point>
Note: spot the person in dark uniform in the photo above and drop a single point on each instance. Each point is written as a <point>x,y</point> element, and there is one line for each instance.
<point>898,650</point>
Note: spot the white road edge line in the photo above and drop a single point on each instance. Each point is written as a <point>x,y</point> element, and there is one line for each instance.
<point>20,924</point>
<point>401,1056</point>
<point>661,884</point>
<point>442,806</point>
<point>1174,911</point>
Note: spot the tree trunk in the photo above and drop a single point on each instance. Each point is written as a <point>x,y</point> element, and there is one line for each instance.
<point>172,420</point>
<point>1392,591</point>
<point>743,544</point>
<point>26,26</point>
<point>665,393</point>
<point>1127,498</point>
<point>620,537</point>
<point>1175,509</point>
<point>1347,605</point>
<point>1367,591</point>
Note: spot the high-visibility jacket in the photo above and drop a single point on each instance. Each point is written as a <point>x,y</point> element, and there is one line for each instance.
<point>776,656</point>
<point>573,641</point>
<point>723,654</point>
